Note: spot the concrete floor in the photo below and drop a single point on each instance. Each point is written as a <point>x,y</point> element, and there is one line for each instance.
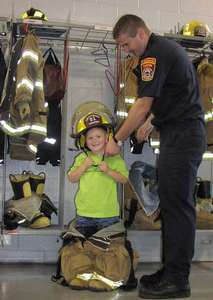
<point>32,282</point>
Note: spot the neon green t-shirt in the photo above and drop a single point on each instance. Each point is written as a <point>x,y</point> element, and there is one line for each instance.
<point>97,193</point>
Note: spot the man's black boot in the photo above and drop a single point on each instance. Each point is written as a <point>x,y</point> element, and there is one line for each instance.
<point>152,278</point>
<point>164,289</point>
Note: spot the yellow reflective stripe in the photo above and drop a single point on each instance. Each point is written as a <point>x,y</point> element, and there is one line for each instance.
<point>208,155</point>
<point>130,100</point>
<point>22,129</point>
<point>122,114</point>
<point>50,141</point>
<point>30,54</point>
<point>12,130</point>
<point>32,148</point>
<point>94,275</point>
<point>39,128</point>
<point>208,115</point>
<point>39,84</point>
<point>25,82</point>
<point>154,143</point>
<point>85,276</point>
<point>156,151</point>
<point>111,283</point>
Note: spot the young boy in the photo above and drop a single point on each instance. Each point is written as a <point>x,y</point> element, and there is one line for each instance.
<point>98,257</point>
<point>96,200</point>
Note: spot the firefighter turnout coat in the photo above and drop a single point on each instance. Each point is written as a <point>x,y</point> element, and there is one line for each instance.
<point>23,109</point>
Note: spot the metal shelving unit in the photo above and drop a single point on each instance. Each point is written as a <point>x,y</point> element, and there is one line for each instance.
<point>81,37</point>
<point>192,43</point>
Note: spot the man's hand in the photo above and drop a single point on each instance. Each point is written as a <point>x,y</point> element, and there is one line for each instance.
<point>112,148</point>
<point>144,130</point>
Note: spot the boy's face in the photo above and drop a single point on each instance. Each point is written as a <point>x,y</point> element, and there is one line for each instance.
<point>96,139</point>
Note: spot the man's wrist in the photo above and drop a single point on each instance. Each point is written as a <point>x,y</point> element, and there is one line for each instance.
<point>118,142</point>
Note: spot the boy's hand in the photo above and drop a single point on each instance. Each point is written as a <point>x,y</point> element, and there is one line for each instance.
<point>88,162</point>
<point>103,167</point>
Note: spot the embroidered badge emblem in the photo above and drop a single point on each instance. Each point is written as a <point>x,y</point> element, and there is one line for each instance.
<point>148,68</point>
<point>92,119</point>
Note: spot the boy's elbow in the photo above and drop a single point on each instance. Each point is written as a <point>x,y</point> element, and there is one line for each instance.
<point>71,178</point>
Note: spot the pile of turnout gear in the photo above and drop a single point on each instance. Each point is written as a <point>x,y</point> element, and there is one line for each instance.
<point>95,259</point>
<point>141,201</point>
<point>29,207</point>
<point>103,261</point>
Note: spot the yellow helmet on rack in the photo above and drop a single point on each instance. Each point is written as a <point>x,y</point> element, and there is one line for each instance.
<point>34,13</point>
<point>195,28</point>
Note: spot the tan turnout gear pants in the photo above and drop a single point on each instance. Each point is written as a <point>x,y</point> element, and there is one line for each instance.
<point>79,258</point>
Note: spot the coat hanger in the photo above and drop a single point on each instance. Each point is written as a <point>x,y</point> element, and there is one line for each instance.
<point>103,58</point>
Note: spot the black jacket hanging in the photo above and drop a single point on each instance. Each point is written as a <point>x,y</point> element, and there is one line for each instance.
<point>49,150</point>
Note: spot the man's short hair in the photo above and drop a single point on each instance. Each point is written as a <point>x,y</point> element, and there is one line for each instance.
<point>129,24</point>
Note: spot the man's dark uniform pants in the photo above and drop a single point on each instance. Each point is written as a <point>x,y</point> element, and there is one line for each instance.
<point>181,149</point>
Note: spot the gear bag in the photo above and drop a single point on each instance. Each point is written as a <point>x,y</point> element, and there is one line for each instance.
<point>54,83</point>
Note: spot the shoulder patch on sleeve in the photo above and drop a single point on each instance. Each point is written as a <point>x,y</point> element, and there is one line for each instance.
<point>148,68</point>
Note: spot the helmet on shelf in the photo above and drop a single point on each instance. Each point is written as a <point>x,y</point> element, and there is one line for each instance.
<point>34,13</point>
<point>195,28</point>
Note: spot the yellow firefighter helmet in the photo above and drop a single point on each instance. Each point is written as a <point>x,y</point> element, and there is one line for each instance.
<point>88,115</point>
<point>34,13</point>
<point>195,28</point>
